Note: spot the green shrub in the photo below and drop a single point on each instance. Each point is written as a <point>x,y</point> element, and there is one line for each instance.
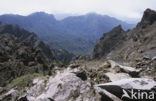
<point>24,81</point>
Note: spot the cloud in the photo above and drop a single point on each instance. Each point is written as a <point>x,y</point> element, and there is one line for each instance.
<point>117,8</point>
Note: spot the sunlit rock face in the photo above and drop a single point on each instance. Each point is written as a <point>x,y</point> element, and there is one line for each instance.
<point>122,90</point>
<point>133,83</point>
<point>68,85</point>
<point>65,86</point>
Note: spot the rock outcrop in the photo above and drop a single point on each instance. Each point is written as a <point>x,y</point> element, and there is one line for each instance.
<point>65,85</point>
<point>129,45</point>
<point>148,18</point>
<point>128,90</point>
<point>109,42</point>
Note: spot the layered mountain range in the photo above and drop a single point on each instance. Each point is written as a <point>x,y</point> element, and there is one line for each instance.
<point>122,67</point>
<point>76,34</point>
<point>22,52</point>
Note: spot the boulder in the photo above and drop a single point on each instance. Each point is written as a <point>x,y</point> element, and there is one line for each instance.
<point>133,83</point>
<point>64,86</point>
<point>81,74</point>
<point>123,90</point>
<point>11,95</point>
<point>115,67</point>
<point>105,65</point>
<point>117,76</point>
<point>74,65</point>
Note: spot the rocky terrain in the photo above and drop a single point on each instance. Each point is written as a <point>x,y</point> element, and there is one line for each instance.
<point>121,68</point>
<point>22,52</point>
<point>76,34</point>
<point>17,59</point>
<point>32,40</point>
<point>79,83</point>
<point>131,44</point>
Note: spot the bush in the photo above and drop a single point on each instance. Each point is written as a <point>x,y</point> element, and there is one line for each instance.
<point>24,81</point>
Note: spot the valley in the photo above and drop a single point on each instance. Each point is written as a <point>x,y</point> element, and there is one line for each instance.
<point>122,62</point>
<point>76,34</point>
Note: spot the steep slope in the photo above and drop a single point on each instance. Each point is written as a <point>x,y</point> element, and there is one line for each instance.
<point>148,18</point>
<point>22,52</point>
<point>31,39</point>
<point>76,34</point>
<point>109,42</point>
<point>17,59</point>
<point>133,44</point>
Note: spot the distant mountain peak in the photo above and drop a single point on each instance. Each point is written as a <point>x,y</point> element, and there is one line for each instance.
<point>92,14</point>
<point>109,41</point>
<point>42,14</point>
<point>39,13</point>
<point>118,28</point>
<point>149,17</point>
<point>76,34</point>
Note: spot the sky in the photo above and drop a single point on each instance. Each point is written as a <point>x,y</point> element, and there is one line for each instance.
<point>117,8</point>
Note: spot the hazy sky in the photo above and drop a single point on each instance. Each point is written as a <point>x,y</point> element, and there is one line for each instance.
<point>117,8</point>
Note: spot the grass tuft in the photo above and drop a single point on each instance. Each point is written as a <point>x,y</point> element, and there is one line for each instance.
<point>24,81</point>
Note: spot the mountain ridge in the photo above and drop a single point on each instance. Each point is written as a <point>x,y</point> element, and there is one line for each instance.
<point>76,34</point>
<point>136,43</point>
<point>31,39</point>
<point>23,53</point>
<point>122,62</point>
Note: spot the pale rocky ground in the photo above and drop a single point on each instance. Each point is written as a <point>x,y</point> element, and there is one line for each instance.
<point>82,83</point>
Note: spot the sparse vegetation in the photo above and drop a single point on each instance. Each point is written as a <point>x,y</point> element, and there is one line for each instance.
<point>24,81</point>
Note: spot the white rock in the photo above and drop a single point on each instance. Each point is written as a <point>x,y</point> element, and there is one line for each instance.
<point>133,83</point>
<point>117,76</point>
<point>65,86</point>
<point>111,96</point>
<point>154,58</point>
<point>125,68</point>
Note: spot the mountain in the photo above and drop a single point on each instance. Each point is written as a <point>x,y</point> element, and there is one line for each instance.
<point>18,59</point>
<point>132,44</point>
<point>32,40</point>
<point>63,15</point>
<point>109,42</point>
<point>76,34</point>
<point>22,52</point>
<point>122,68</point>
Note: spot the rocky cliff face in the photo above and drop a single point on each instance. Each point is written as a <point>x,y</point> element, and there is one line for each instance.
<point>130,45</point>
<point>148,18</point>
<point>109,42</point>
